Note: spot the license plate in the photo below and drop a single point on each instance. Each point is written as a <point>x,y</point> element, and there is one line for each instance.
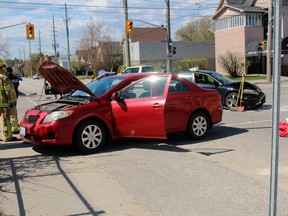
<point>22,131</point>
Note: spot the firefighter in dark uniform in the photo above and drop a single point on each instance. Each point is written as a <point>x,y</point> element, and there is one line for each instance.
<point>14,118</point>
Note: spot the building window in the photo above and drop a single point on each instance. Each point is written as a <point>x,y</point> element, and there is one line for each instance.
<point>239,20</point>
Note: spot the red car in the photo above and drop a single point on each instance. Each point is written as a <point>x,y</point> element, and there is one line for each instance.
<point>139,105</point>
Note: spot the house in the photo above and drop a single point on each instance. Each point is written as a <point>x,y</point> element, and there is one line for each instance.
<point>101,54</point>
<point>242,26</point>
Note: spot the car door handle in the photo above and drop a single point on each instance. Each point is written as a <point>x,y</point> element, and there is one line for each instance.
<point>157,105</point>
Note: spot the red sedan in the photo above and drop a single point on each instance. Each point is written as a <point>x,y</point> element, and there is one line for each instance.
<point>120,106</point>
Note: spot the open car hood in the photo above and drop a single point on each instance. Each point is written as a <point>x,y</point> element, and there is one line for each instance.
<point>60,79</point>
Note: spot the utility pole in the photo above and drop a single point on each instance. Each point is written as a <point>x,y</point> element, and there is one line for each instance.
<point>54,43</point>
<point>269,42</point>
<point>40,51</point>
<point>67,33</point>
<point>127,46</point>
<point>169,42</point>
<point>277,32</point>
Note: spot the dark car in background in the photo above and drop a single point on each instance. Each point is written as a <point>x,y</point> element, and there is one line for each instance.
<point>253,97</point>
<point>140,105</point>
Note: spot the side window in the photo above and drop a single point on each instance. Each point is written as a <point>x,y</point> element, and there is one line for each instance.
<point>199,78</point>
<point>149,87</point>
<point>134,70</point>
<point>210,80</point>
<point>177,86</point>
<point>147,69</point>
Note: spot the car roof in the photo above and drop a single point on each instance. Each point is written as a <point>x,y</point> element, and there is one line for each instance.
<point>201,71</point>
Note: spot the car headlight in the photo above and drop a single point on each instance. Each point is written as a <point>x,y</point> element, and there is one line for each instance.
<point>250,91</point>
<point>57,115</point>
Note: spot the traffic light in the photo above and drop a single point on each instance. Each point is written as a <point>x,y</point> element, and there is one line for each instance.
<point>261,46</point>
<point>30,32</point>
<point>173,50</point>
<point>129,27</point>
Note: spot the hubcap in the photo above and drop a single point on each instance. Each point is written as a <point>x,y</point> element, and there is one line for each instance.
<point>231,101</point>
<point>199,126</point>
<point>91,136</point>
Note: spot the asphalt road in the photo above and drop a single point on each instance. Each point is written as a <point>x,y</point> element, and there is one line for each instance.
<point>228,173</point>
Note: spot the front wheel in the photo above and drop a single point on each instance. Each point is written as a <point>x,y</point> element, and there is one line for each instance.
<point>198,125</point>
<point>90,136</point>
<point>231,101</point>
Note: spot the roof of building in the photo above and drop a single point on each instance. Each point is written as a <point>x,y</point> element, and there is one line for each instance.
<point>148,34</point>
<point>243,6</point>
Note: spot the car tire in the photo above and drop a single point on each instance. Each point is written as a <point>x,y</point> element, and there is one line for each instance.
<point>198,125</point>
<point>231,101</point>
<point>90,136</point>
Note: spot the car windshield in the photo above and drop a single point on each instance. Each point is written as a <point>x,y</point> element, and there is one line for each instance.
<point>224,80</point>
<point>99,87</point>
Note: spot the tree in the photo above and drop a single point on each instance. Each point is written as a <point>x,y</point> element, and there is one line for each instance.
<point>96,47</point>
<point>197,30</point>
<point>3,48</point>
<point>232,63</point>
<point>35,62</point>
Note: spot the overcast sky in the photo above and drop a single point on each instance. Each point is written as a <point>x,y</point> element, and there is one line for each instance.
<point>108,12</point>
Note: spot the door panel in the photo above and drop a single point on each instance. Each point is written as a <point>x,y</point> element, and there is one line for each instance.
<point>143,115</point>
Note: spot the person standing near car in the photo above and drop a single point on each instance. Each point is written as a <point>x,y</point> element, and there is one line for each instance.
<point>8,99</point>
<point>13,115</point>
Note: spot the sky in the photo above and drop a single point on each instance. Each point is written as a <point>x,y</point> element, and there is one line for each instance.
<point>110,13</point>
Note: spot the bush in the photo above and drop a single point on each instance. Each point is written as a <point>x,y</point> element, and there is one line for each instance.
<point>185,64</point>
<point>232,63</point>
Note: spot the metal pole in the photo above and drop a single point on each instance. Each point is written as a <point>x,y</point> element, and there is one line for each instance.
<point>127,48</point>
<point>169,42</point>
<point>269,42</point>
<point>30,58</point>
<point>277,22</point>
<point>40,51</point>
<point>12,25</point>
<point>54,39</point>
<point>67,33</point>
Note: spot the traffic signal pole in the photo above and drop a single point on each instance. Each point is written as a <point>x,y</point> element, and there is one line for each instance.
<point>127,48</point>
<point>168,34</point>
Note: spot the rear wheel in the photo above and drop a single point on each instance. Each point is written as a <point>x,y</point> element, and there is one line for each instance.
<point>231,101</point>
<point>198,125</point>
<point>90,136</point>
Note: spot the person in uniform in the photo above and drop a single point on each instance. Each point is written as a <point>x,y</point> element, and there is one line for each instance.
<point>8,99</point>
<point>13,115</point>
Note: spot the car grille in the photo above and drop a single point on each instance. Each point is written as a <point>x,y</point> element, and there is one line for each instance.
<point>31,119</point>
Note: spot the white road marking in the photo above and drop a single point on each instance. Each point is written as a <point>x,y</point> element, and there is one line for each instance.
<point>27,98</point>
<point>244,123</point>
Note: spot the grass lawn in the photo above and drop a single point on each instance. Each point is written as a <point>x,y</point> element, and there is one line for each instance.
<point>250,77</point>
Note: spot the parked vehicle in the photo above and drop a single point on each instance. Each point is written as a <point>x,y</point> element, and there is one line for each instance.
<point>139,69</point>
<point>48,89</point>
<point>253,97</point>
<point>36,76</point>
<point>138,105</point>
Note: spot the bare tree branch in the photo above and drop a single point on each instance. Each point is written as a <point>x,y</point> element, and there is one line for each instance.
<point>3,48</point>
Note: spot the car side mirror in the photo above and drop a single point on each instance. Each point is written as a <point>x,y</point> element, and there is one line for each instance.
<point>117,96</point>
<point>216,84</point>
